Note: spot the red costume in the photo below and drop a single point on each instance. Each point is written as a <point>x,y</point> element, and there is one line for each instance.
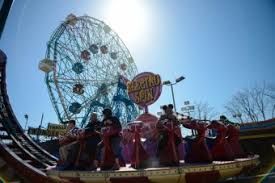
<point>170,138</point>
<point>199,151</point>
<point>139,155</point>
<point>108,155</point>
<point>233,140</point>
<point>127,145</point>
<point>221,150</point>
<point>111,142</point>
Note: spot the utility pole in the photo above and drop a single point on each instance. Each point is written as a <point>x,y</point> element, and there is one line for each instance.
<point>26,116</point>
<point>40,126</point>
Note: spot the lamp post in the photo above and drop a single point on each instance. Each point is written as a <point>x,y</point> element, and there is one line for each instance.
<point>26,116</point>
<point>169,83</point>
<point>38,131</point>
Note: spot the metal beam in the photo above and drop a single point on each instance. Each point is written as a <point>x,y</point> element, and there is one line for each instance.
<point>4,12</point>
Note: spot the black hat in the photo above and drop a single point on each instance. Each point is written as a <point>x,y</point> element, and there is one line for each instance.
<point>222,117</point>
<point>170,106</point>
<point>71,121</point>
<point>214,121</point>
<point>164,107</point>
<point>107,111</point>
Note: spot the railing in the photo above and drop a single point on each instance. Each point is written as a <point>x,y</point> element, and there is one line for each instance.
<point>258,125</point>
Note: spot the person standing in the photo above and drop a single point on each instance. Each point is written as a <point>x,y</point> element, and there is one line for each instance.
<point>233,137</point>
<point>169,137</point>
<point>67,143</point>
<point>221,150</point>
<point>198,151</point>
<point>111,141</point>
<point>92,138</point>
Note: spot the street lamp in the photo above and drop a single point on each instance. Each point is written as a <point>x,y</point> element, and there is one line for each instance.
<point>180,79</point>
<point>169,83</point>
<point>26,116</point>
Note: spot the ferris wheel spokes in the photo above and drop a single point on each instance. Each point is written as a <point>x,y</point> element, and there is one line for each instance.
<point>87,58</point>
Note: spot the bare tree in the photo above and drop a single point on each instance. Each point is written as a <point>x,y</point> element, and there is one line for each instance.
<point>258,93</point>
<point>241,103</point>
<point>253,104</point>
<point>203,111</point>
<point>271,94</point>
<point>270,91</point>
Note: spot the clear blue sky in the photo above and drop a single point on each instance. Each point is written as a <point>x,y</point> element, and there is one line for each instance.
<point>219,46</point>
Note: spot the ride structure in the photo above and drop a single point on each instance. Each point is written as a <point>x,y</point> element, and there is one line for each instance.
<point>258,138</point>
<point>31,162</point>
<point>17,149</point>
<point>87,66</point>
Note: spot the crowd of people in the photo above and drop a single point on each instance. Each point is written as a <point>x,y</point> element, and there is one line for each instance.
<point>101,145</point>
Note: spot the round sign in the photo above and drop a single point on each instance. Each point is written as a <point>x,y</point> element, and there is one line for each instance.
<point>145,88</point>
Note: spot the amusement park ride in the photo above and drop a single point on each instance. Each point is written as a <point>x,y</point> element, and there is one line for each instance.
<point>87,69</point>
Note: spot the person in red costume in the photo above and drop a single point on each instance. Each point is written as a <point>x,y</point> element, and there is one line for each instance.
<point>233,138</point>
<point>199,152</point>
<point>221,150</point>
<point>127,145</point>
<point>111,141</point>
<point>138,155</point>
<point>169,138</point>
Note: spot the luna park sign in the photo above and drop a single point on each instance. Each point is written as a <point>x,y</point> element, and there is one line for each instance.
<point>145,88</point>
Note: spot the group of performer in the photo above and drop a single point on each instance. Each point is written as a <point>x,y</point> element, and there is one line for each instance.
<point>98,145</point>
<point>201,149</point>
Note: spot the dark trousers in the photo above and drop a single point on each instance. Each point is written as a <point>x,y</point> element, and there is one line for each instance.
<point>115,145</point>
<point>73,152</point>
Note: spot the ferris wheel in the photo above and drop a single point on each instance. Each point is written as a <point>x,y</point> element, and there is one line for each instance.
<point>87,66</point>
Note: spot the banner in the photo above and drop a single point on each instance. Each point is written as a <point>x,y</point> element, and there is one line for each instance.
<point>52,126</point>
<point>45,132</point>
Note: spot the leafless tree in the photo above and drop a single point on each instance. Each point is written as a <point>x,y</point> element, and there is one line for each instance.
<point>203,111</point>
<point>252,103</point>
<point>271,94</point>
<point>270,91</point>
